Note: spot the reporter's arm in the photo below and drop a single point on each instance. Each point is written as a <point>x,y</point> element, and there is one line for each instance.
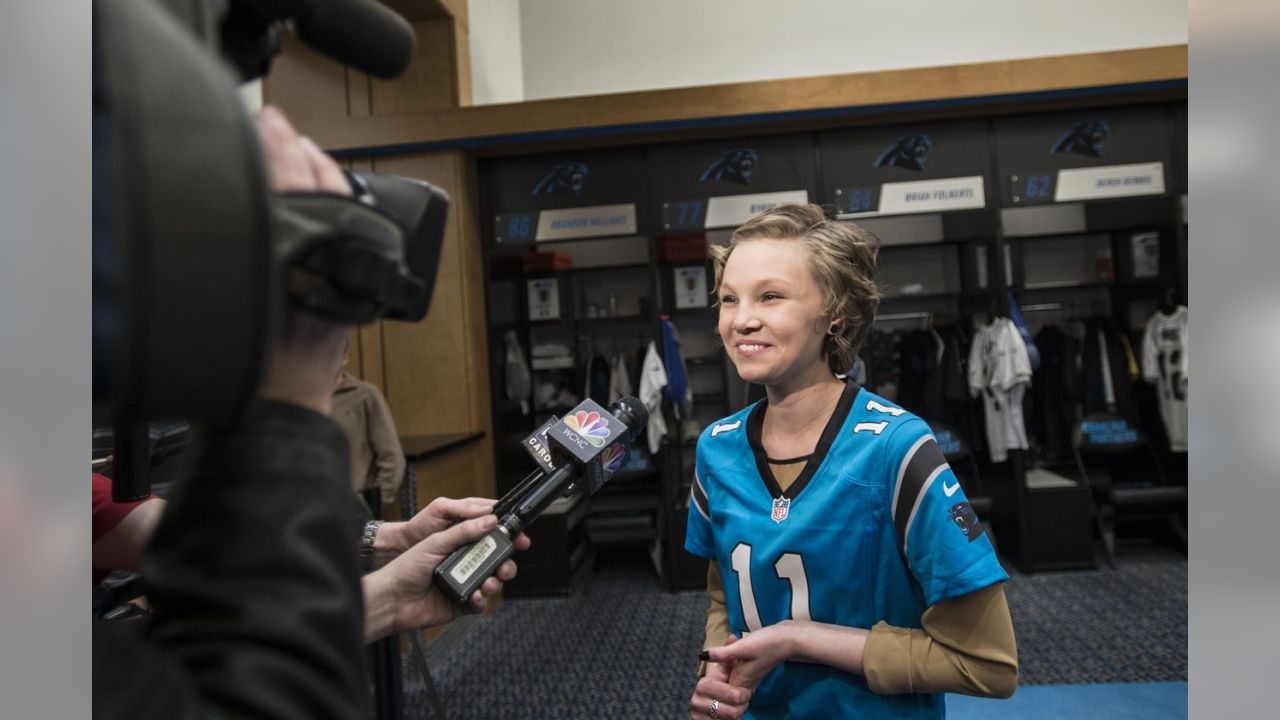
<point>254,583</point>
<point>442,513</point>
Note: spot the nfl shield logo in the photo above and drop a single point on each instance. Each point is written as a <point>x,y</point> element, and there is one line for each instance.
<point>781,506</point>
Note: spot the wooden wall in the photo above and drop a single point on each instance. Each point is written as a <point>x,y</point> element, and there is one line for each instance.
<point>434,373</point>
<point>619,115</point>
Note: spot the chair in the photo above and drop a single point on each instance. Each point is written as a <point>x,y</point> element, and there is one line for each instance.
<point>1103,441</point>
<point>956,450</point>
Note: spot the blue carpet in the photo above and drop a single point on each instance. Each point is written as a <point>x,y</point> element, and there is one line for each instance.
<point>1112,701</point>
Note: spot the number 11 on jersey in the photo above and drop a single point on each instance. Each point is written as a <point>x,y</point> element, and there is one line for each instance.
<point>788,566</point>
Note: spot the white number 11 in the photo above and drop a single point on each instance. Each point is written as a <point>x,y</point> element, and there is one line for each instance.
<point>789,567</point>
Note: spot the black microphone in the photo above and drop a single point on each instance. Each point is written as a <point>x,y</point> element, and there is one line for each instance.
<point>364,34</point>
<point>590,442</point>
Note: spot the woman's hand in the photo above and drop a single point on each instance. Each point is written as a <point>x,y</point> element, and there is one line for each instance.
<point>756,655</point>
<point>715,697</point>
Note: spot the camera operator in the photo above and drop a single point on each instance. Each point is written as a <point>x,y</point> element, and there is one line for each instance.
<point>259,607</point>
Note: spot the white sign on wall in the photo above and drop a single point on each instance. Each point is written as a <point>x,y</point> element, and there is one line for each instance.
<point>925,196</point>
<point>734,210</point>
<point>586,222</point>
<point>1109,182</point>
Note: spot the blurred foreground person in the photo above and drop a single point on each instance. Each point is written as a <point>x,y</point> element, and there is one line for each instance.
<point>259,607</point>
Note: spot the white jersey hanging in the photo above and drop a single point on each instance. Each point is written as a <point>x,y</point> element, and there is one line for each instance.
<point>1164,363</point>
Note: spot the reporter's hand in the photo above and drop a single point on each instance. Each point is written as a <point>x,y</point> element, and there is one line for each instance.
<point>442,513</point>
<point>307,353</point>
<point>714,688</point>
<point>401,595</point>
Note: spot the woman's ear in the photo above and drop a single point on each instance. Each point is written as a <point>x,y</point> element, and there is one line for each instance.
<point>836,324</point>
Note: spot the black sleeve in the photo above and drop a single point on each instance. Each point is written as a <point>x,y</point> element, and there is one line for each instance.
<point>254,579</point>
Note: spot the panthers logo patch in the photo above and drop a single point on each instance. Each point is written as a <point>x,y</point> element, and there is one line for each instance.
<point>734,166</point>
<point>966,520</point>
<point>908,152</point>
<point>1083,139</point>
<point>563,178</point>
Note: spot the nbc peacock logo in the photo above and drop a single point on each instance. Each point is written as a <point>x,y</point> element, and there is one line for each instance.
<point>590,426</point>
<point>613,457</point>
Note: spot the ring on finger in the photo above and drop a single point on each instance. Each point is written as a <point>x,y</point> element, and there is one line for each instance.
<point>713,710</point>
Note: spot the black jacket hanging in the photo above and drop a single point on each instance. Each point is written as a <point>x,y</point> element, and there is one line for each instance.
<point>1095,374</point>
<point>1054,392</point>
<point>919,382</point>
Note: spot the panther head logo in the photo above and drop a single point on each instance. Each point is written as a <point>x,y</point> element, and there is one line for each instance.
<point>966,519</point>
<point>1085,138</point>
<point>908,152</point>
<point>565,177</point>
<point>733,166</point>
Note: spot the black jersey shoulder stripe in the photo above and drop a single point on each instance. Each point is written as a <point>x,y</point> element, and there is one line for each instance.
<point>915,472</point>
<point>924,489</point>
<point>698,497</point>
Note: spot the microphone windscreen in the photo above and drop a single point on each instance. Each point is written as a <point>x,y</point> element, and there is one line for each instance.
<point>632,413</point>
<point>364,34</point>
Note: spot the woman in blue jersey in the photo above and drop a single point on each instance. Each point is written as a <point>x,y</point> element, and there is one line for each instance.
<point>849,576</point>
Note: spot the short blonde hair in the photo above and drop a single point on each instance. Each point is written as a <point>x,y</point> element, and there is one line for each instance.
<point>842,258</point>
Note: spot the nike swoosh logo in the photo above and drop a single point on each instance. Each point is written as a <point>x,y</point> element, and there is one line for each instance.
<point>950,489</point>
<point>725,428</point>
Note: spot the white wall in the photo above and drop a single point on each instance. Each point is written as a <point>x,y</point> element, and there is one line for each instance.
<point>497,72</point>
<point>587,47</point>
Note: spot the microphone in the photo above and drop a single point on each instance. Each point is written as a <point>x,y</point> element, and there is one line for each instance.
<point>590,443</point>
<point>364,34</point>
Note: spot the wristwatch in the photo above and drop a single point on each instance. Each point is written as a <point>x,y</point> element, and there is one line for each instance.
<point>368,537</point>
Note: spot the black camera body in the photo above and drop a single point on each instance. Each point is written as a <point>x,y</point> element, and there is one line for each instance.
<point>194,259</point>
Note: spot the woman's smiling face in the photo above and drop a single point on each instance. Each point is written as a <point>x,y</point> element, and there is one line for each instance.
<point>771,319</point>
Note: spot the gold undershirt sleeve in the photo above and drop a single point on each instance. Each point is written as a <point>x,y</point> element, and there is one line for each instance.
<point>966,646</point>
<point>717,630</point>
<point>717,615</point>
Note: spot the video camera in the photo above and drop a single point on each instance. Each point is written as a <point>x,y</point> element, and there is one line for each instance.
<point>193,258</point>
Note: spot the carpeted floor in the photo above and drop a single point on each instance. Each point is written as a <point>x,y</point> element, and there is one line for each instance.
<point>622,647</point>
<point>1127,625</point>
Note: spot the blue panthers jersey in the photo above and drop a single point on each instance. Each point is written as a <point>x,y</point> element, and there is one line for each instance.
<point>875,528</point>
